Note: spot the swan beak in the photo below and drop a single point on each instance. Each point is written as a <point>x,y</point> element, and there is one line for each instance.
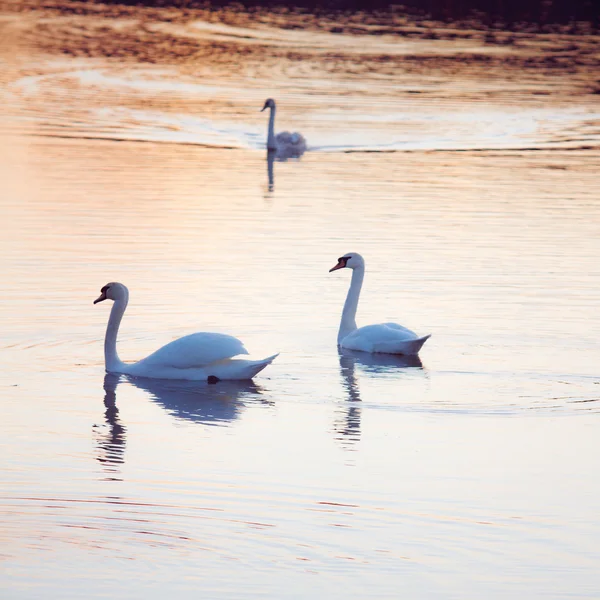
<point>341,264</point>
<point>100,298</point>
<point>263,108</point>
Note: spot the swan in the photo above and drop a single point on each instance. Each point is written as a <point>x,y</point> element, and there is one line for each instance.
<point>198,356</point>
<point>286,145</point>
<point>387,338</point>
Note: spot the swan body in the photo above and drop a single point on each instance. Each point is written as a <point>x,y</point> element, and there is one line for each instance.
<point>387,338</point>
<point>286,144</point>
<point>198,356</point>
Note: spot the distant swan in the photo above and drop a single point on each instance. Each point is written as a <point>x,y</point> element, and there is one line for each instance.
<point>388,338</point>
<point>198,356</point>
<point>286,145</point>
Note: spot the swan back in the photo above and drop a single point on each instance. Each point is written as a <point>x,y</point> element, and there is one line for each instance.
<point>195,350</point>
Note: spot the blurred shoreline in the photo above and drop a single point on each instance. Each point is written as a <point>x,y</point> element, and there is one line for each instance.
<point>446,19</point>
<point>196,75</point>
<point>170,35</point>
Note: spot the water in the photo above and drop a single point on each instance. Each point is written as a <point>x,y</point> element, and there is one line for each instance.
<point>468,474</point>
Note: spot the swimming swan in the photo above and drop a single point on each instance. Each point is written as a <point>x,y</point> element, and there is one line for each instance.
<point>198,356</point>
<point>388,338</point>
<point>287,145</point>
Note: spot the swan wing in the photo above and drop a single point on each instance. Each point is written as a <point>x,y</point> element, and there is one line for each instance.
<point>283,138</point>
<point>298,139</point>
<point>389,338</point>
<point>239,368</point>
<point>195,350</point>
<point>228,369</point>
<point>405,331</point>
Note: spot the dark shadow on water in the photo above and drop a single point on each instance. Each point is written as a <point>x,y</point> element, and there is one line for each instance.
<point>347,423</point>
<point>200,401</point>
<point>111,437</point>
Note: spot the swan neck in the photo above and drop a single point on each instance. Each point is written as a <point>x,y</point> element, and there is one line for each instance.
<point>348,323</point>
<point>271,133</point>
<point>112,362</point>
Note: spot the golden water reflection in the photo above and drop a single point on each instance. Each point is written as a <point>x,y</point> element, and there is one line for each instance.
<point>467,181</point>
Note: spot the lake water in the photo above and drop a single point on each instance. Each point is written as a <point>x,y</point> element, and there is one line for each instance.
<point>472,473</point>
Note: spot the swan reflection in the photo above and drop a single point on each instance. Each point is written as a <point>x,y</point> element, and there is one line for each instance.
<point>191,400</point>
<point>111,441</point>
<point>347,423</point>
<point>279,155</point>
<point>199,401</point>
<point>270,169</point>
<point>379,362</point>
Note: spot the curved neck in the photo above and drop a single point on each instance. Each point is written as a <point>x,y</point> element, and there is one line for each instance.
<point>348,323</point>
<point>112,362</point>
<point>271,134</point>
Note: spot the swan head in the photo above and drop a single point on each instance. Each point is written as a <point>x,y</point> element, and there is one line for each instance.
<point>113,291</point>
<point>350,260</point>
<point>269,103</point>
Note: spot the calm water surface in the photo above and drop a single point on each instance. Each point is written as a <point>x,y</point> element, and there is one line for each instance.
<point>469,474</point>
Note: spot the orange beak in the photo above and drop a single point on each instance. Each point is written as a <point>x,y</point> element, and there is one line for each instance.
<point>341,264</point>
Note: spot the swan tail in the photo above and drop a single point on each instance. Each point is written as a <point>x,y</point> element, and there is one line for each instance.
<point>404,347</point>
<point>414,346</point>
<point>238,368</point>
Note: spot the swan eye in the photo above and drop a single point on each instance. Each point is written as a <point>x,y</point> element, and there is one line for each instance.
<point>105,289</point>
<point>343,260</point>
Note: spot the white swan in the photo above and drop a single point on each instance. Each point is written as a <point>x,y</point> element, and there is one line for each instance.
<point>285,144</point>
<point>388,338</point>
<point>199,356</point>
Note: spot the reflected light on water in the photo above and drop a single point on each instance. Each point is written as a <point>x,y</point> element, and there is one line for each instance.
<point>470,187</point>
